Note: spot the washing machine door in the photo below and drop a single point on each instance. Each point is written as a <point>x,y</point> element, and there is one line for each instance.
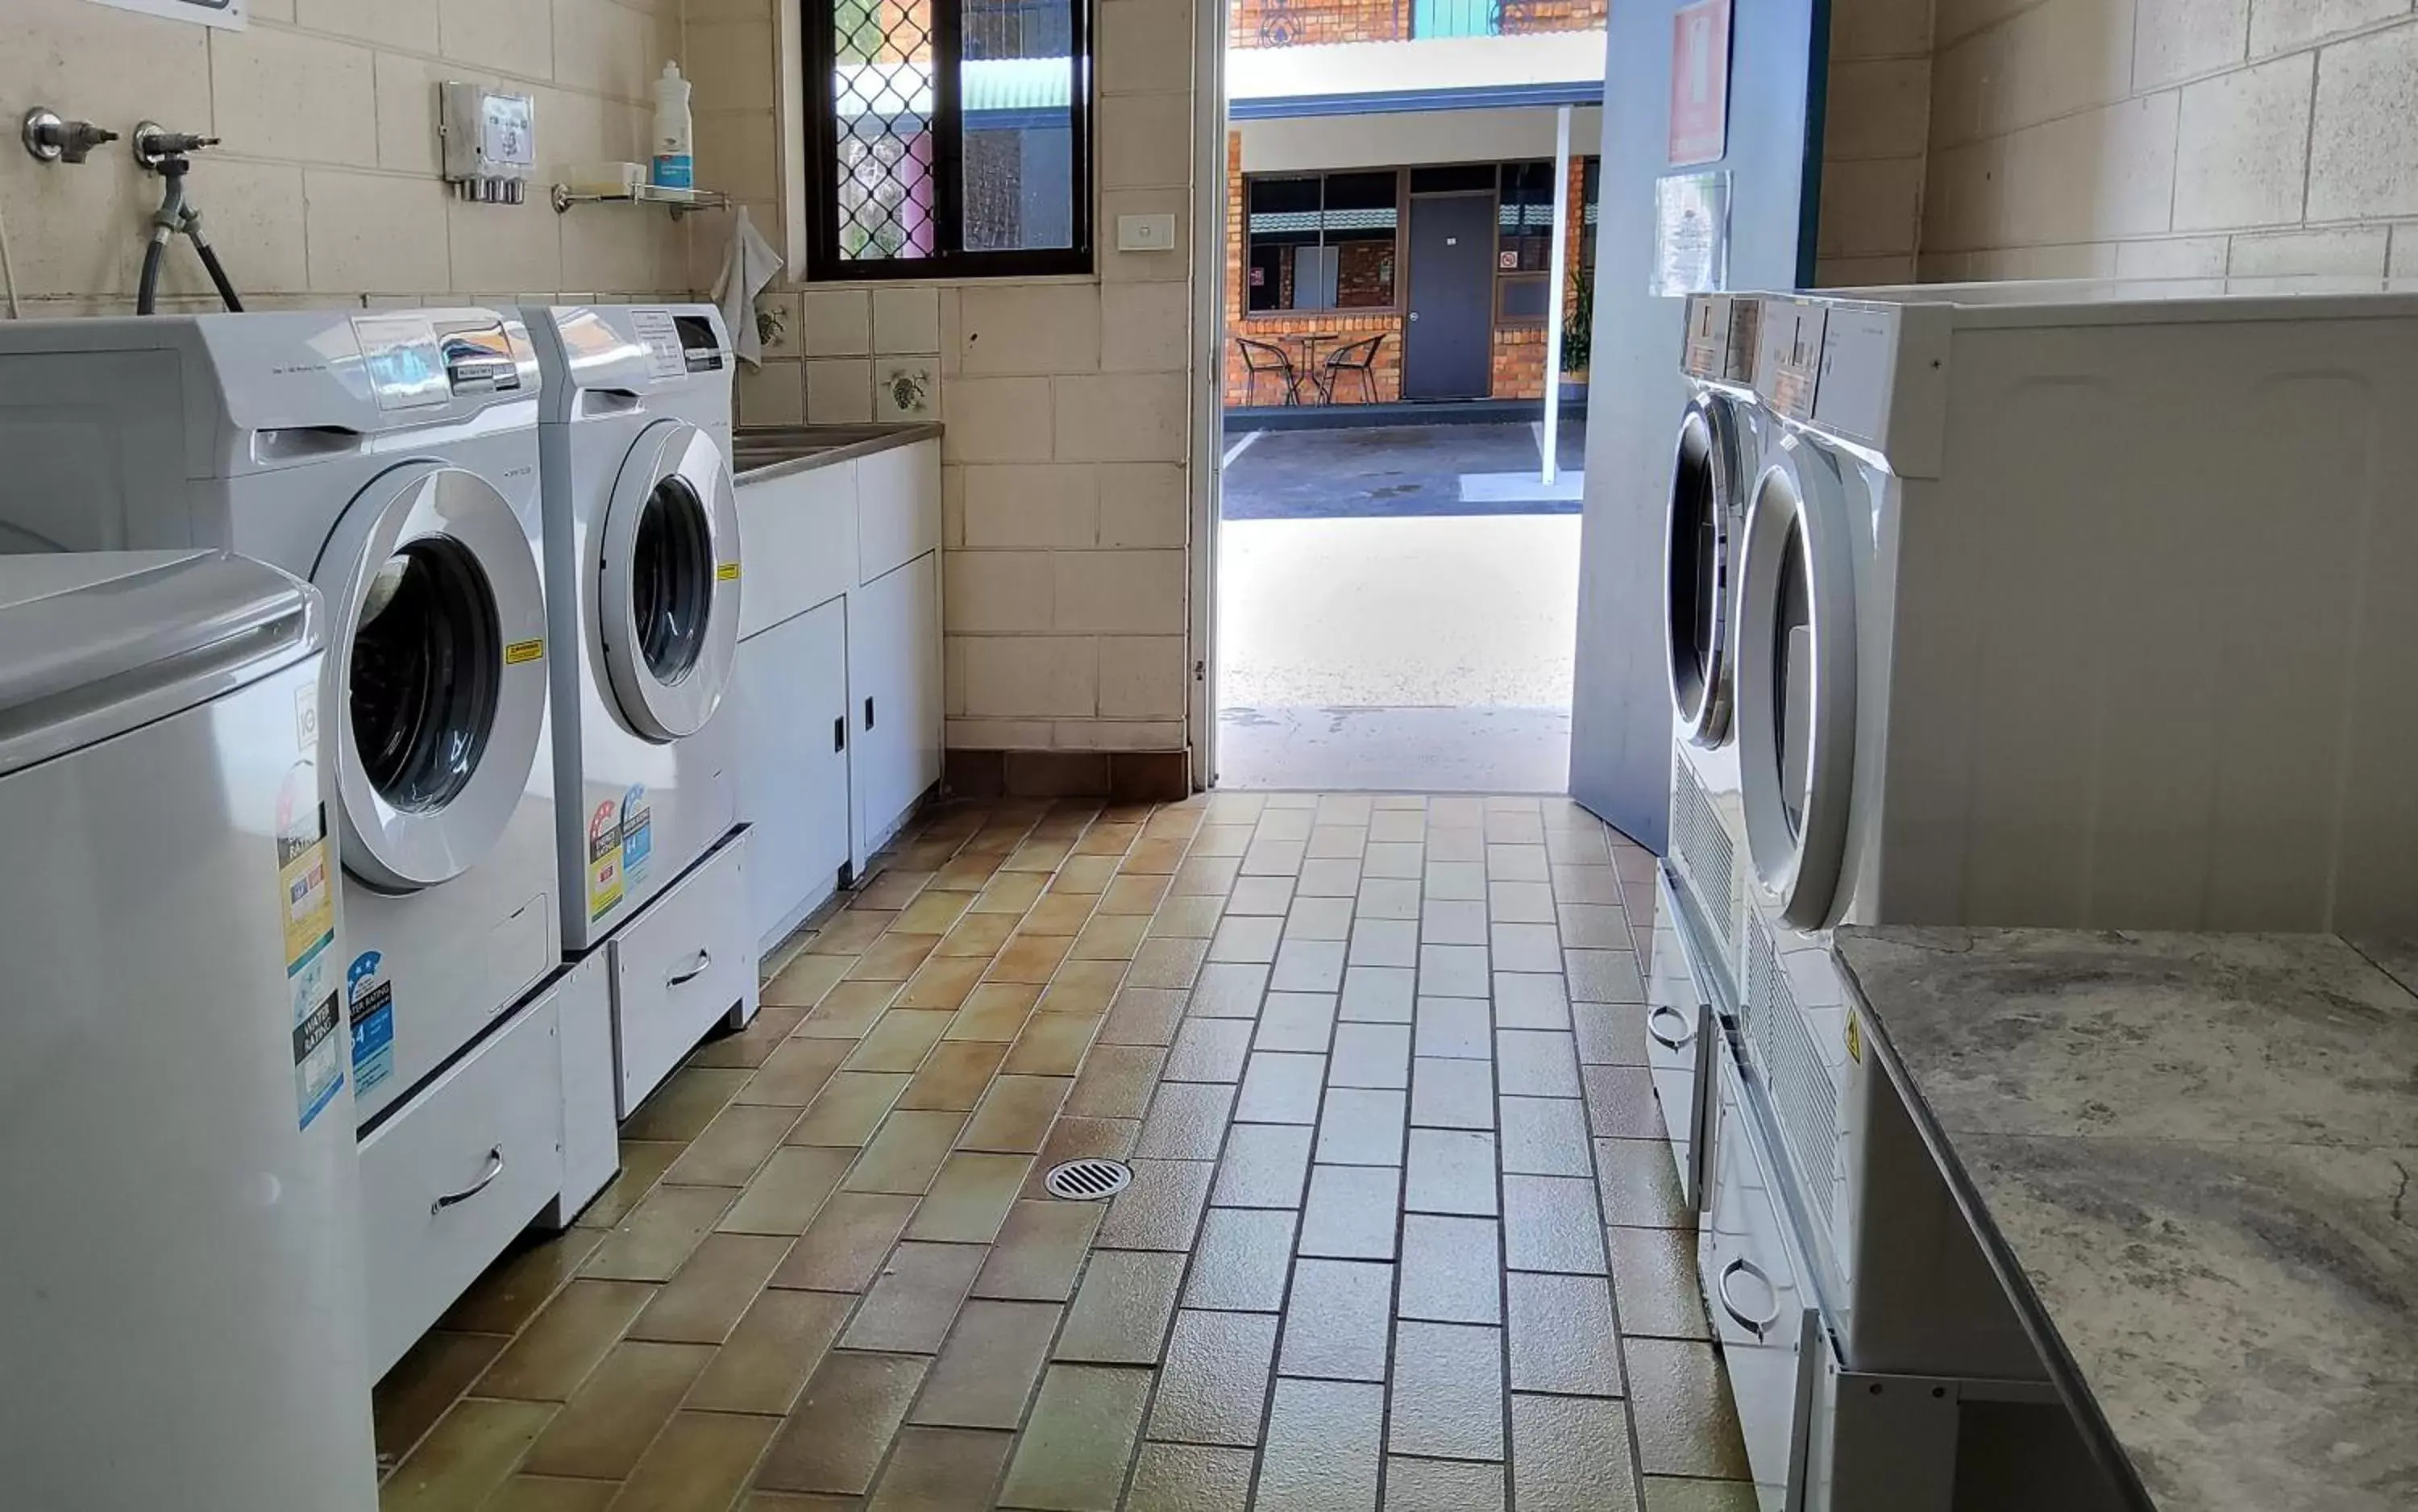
<point>1797,679</point>
<point>668,594</point>
<point>437,617</point>
<point>1705,487</point>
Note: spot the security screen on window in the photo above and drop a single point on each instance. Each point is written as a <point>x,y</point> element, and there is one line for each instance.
<point>950,138</point>
<point>1320,242</point>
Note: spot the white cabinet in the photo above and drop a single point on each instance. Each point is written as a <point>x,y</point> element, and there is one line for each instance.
<point>793,729</point>
<point>893,680</point>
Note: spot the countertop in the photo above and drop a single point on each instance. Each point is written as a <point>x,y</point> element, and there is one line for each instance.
<point>762,452</point>
<point>2191,1158</point>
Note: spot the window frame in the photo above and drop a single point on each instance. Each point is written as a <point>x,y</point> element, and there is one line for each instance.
<point>1581,266</point>
<point>820,31</point>
<point>1402,249</point>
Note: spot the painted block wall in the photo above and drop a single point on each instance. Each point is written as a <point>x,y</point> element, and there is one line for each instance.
<point>326,190</point>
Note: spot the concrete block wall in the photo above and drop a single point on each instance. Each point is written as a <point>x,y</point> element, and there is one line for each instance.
<point>326,190</point>
<point>1875,142</point>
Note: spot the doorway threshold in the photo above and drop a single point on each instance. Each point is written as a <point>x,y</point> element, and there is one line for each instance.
<point>1331,748</point>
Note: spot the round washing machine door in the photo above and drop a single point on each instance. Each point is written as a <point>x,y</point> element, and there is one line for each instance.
<point>1706,489</point>
<point>668,594</point>
<point>439,645</point>
<point>1797,679</point>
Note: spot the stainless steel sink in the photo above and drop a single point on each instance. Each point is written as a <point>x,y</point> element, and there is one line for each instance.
<point>766,445</point>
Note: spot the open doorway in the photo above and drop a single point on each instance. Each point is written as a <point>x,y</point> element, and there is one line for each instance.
<point>1397,549</point>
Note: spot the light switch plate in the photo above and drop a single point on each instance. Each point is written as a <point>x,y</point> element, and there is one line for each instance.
<point>1146,233</point>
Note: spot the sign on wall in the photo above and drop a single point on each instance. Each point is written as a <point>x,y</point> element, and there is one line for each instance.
<point>1700,83</point>
<point>1691,234</point>
<point>228,13</point>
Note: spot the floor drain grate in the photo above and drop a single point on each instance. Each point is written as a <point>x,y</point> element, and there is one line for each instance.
<point>1087,1180</point>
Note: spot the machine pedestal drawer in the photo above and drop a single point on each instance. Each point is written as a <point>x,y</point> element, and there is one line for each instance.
<point>681,965</point>
<point>455,1173</point>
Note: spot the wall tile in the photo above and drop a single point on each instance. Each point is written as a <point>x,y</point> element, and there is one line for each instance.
<point>773,394</point>
<point>2404,263</point>
<point>1035,327</point>
<point>839,392</point>
<point>606,48</point>
<point>1125,418</point>
<point>404,23</point>
<point>1145,141</point>
<point>122,67</point>
<point>256,223</point>
<point>514,36</point>
<point>2172,257</point>
<point>2238,156</point>
<point>907,319</point>
<point>999,592</point>
<point>1870,206</point>
<point>374,232</point>
<point>996,420</point>
<point>734,65</point>
<point>2064,54</point>
<point>267,83</point>
<point>1120,592</point>
<point>1143,504</point>
<point>2277,25</point>
<point>2181,38</point>
<point>1027,677</point>
<point>1145,328</point>
<point>2364,147</point>
<point>1880,28</point>
<point>1145,46</point>
<point>1143,677</point>
<point>2345,253</point>
<point>504,246</point>
<point>2101,173</point>
<point>737,153</point>
<point>1877,108</point>
<point>838,323</point>
<point>1043,504</point>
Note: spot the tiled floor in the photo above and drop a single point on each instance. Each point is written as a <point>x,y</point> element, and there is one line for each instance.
<point>1397,1236</point>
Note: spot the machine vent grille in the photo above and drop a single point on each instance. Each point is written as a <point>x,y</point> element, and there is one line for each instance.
<point>1802,1092</point>
<point>1706,857</point>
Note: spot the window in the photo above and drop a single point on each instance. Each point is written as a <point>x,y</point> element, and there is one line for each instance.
<point>950,138</point>
<point>1323,242</point>
<point>1523,252</point>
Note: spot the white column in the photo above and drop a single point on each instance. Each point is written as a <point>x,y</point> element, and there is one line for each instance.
<point>1561,259</point>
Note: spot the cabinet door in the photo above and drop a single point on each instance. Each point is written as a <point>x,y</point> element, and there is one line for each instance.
<point>923,742</point>
<point>895,695</point>
<point>795,731</point>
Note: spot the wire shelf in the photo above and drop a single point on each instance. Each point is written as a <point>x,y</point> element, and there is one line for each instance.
<point>681,201</point>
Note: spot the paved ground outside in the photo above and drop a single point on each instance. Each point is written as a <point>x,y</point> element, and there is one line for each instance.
<point>1396,610</point>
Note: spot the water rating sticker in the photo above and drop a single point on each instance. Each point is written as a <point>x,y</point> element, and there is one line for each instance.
<point>637,836</point>
<point>369,1003</point>
<point>603,860</point>
<point>306,902</point>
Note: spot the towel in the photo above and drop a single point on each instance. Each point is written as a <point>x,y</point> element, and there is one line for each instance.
<point>751,266</point>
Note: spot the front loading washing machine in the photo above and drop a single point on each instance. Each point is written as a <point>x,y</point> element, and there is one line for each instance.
<point>390,459</point>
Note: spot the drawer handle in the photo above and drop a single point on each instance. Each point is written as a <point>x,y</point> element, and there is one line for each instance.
<point>704,964</point>
<point>1757,1326</point>
<point>1664,1040</point>
<point>495,1168</point>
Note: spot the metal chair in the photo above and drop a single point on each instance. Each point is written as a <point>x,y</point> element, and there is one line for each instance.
<point>1266,356</point>
<point>1360,357</point>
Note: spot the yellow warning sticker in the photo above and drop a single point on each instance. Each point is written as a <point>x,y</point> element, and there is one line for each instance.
<point>522,650</point>
<point>1854,1040</point>
<point>726,572</point>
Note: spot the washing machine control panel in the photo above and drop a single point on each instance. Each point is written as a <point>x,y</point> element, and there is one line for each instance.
<point>1721,338</point>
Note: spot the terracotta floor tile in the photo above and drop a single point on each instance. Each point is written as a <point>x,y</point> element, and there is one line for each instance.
<point>1209,1050</point>
<point>1229,990</point>
<point>848,1010</point>
<point>1620,1103</point>
<point>1030,958</point>
<point>1242,1261</point>
<point>1059,913</point>
<point>657,1236</point>
<point>893,957</point>
<point>1610,1033</point>
<point>986,1371</point>
<point>1037,856</point>
<point>1086,987</point>
<point>834,1439</point>
<point>1134,894</point>
<point>603,1430</point>
<point>1371,1055</point>
<point>1571,1454</point>
<point>1188,918</point>
<point>1282,1088</point>
<point>679,1110</point>
<point>1442,1486</point>
<point>1085,877</point>
<point>1545,1136</point>
<point>1078,1441</point>
<point>1122,1309</point>
<point>1377,993</point>
<point>995,1011</point>
<point>1187,1120</point>
<point>1116,1082</point>
<point>1457,1028</point>
<point>732,1146</point>
<point>760,1501</point>
<point>943,981</point>
<point>906,1153</point>
<point>698,1463</point>
<point>1264,1166</point>
<point>1350,1212</point>
<point>1603,976</point>
<point>748,1048</point>
<point>1324,1447</point>
<point>1447,1391</point>
<point>1040,1250</point>
<point>1161,1210</point>
<point>1654,1274</point>
<point>1155,857</point>
<point>942,1470</point>
<point>528,1275</point>
<point>1167,961</point>
<point>803,982</point>
<point>415,1393</point>
<point>552,1494</point>
<point>1143,1015</point>
<point>969,1198</point>
<point>1562,1338</point>
<point>1215,1382</point>
<point>1185,1477</point>
<point>1014,1115</point>
<point>1051,1045</point>
<point>643,1164</point>
<point>849,931</point>
<point>702,1302</point>
<point>978,935</point>
<point>910,1305</point>
<point>777,1344</point>
<point>849,1107</point>
<point>791,1074</point>
<point>564,1341</point>
<point>1009,893</point>
<point>901,1039</point>
<point>1081,1139</point>
<point>1449,1094</point>
<point>787,1193</point>
<point>1450,1271</point>
<point>954,1077</point>
<point>1302,1022</point>
<point>842,1250</point>
<point>893,887</point>
<point>466,1456</point>
<point>1111,937</point>
<point>1362,1126</point>
<point>1550,1223</point>
<point>1640,1184</point>
<point>1532,1062</point>
<point>1108,838</point>
<point>932,912</point>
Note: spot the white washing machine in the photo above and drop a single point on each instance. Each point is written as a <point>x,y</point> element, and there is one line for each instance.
<point>643,573</point>
<point>390,459</point>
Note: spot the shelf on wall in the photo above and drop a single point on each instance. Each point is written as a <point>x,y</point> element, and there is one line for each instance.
<point>679,201</point>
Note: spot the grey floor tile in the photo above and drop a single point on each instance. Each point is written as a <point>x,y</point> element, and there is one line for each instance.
<point>1534,1062</point>
<point>1453,921</point>
<point>1592,926</point>
<point>1300,1022</point>
<point>1603,976</point>
<point>1450,1170</point>
<point>1273,858</point>
<point>1620,1103</point>
<point>1228,991</point>
<point>1161,1210</point>
<point>1216,1380</point>
<point>1639,1184</point>
<point>1571,1454</point>
<point>1350,1212</point>
<point>1287,823</point>
<point>1527,947</point>
<point>1453,1093</point>
<point>1388,897</point>
<point>1588,884</point>
<point>1209,1050</point>
<point>1384,942</point>
<point>1187,1120</point>
<point>1545,1136</point>
<point>1308,966</point>
<point>1265,1165</point>
<point>1329,879</point>
<point>1262,896</point>
<point>1664,1493</point>
<point>1529,1000</point>
<point>1562,1338</point>
<point>1361,1126</point>
<point>1371,1055</point>
<point>1394,858</point>
<point>1614,1033</point>
<point>988,1369</point>
<point>1442,1486</point>
<point>1324,1448</point>
<point>1245,938</point>
<point>1378,994</point>
<point>1448,1392</point>
<point>1654,1274</point>
<point>1318,918</point>
<point>1455,1027</point>
<point>1121,1311</point>
<point>1452,1270</point>
<point>1550,1223</point>
<point>1075,1450</point>
<point>1520,902</point>
<point>1282,1088</point>
<point>1463,881</point>
<point>1190,1477</point>
<point>1456,842</point>
<point>1452,972</point>
<point>1339,1320</point>
<point>1398,824</point>
<point>1242,1261</point>
<point>1516,863</point>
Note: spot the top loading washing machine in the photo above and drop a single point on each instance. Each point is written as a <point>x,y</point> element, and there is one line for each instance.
<point>390,459</point>
<point>642,558</point>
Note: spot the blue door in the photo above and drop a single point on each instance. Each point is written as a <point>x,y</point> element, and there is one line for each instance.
<point>1453,17</point>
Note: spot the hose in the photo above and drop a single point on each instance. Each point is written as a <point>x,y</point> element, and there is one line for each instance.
<point>163,226</point>
<point>210,263</point>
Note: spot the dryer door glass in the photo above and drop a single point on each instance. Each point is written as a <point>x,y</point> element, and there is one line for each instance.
<point>1696,585</point>
<point>672,578</point>
<point>426,655</point>
<point>1792,678</point>
<point>667,596</point>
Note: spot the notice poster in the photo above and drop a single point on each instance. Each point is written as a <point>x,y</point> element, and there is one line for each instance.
<point>1691,234</point>
<point>1700,83</point>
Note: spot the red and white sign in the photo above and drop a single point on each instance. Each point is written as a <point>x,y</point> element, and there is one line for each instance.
<point>1700,83</point>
